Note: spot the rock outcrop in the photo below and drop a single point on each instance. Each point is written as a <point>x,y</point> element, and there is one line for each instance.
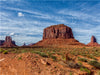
<point>8,42</point>
<point>58,31</point>
<point>1,42</point>
<point>57,36</point>
<point>93,42</point>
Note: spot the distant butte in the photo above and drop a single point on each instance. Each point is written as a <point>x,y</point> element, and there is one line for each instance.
<point>58,35</point>
<point>8,42</point>
<point>93,42</point>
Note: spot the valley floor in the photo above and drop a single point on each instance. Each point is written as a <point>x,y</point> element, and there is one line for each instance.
<point>50,61</point>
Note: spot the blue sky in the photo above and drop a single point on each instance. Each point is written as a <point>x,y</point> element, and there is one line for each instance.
<point>25,20</point>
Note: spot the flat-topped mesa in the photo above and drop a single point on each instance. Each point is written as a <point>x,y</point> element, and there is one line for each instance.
<point>58,31</point>
<point>58,36</point>
<point>8,42</point>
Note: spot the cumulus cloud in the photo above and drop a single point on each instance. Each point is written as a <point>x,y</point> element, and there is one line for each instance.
<point>20,14</point>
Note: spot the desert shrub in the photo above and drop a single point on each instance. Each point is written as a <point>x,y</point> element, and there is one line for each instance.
<point>84,54</point>
<point>5,52</point>
<point>1,50</point>
<point>49,54</point>
<point>94,63</point>
<point>72,64</point>
<point>19,58</point>
<point>84,48</point>
<point>41,53</point>
<point>85,69</point>
<point>37,52</point>
<point>92,57</point>
<point>82,59</point>
<point>44,55</point>
<point>70,73</point>
<point>54,58</point>
<point>23,51</point>
<point>80,63</point>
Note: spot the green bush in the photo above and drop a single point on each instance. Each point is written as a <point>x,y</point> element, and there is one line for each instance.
<point>19,58</point>
<point>1,51</point>
<point>94,63</point>
<point>92,57</point>
<point>70,73</point>
<point>54,58</point>
<point>44,55</point>
<point>82,59</point>
<point>85,69</point>
<point>72,64</point>
<point>41,54</point>
<point>5,52</point>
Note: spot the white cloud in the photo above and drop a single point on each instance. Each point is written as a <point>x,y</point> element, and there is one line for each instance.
<point>80,15</point>
<point>12,34</point>
<point>20,14</point>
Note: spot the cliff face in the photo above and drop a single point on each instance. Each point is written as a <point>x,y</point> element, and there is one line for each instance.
<point>58,31</point>
<point>8,42</point>
<point>93,42</point>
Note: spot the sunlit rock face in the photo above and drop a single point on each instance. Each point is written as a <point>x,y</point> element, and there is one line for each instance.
<point>58,31</point>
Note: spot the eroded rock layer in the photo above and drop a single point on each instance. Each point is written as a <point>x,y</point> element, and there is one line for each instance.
<point>58,31</point>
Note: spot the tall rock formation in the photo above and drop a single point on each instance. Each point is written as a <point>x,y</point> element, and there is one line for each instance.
<point>93,42</point>
<point>8,42</point>
<point>57,35</point>
<point>58,31</point>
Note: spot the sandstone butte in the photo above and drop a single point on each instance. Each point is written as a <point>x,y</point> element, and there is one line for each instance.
<point>8,42</point>
<point>93,42</point>
<point>58,35</point>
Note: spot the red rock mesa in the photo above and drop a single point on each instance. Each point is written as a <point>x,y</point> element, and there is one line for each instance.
<point>57,35</point>
<point>58,31</point>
